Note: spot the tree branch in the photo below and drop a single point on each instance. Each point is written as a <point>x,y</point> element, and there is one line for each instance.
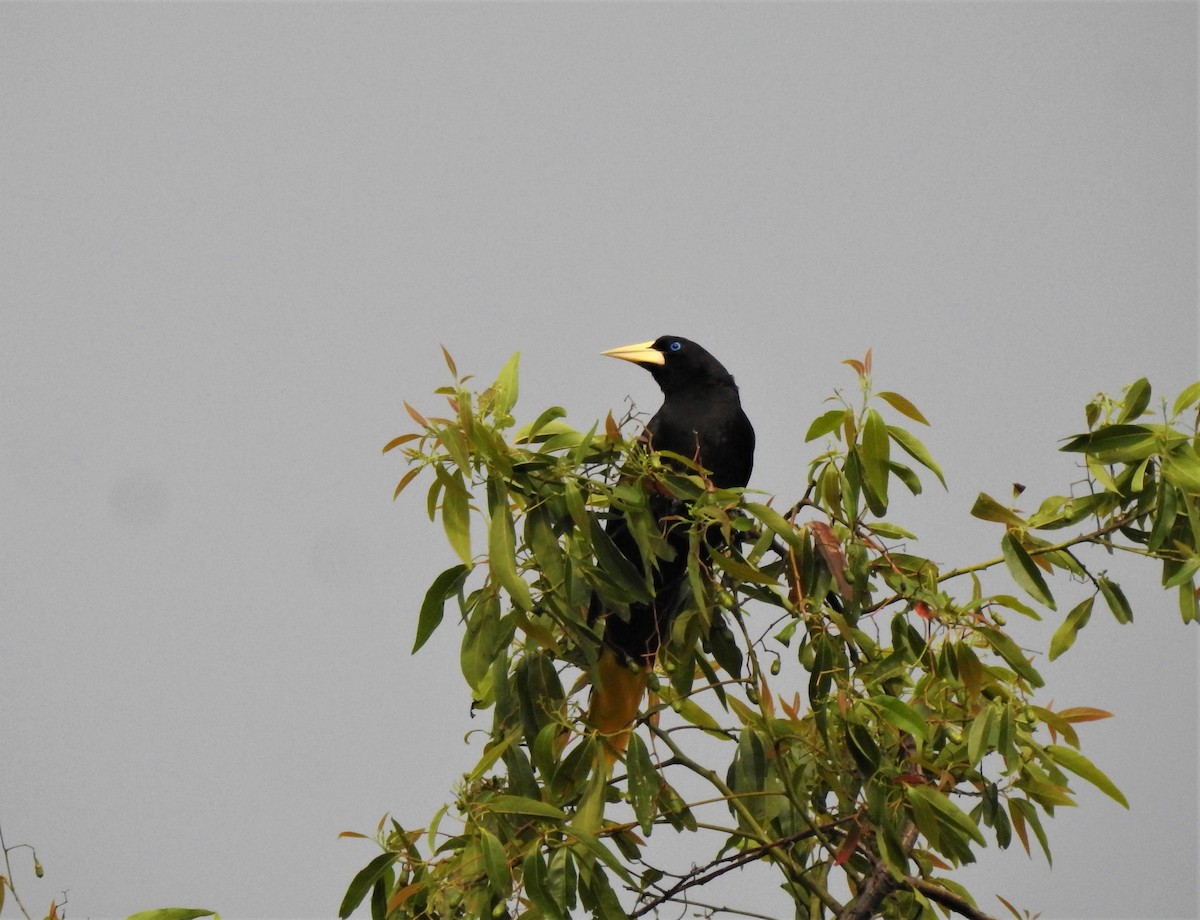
<point>947,898</point>
<point>877,886</point>
<point>714,869</point>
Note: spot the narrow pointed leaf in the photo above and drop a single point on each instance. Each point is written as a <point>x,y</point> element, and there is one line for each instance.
<point>1187,398</point>
<point>915,449</point>
<point>456,516</point>
<point>903,406</point>
<point>644,782</point>
<point>901,715</point>
<point>1137,398</point>
<point>433,607</point>
<point>951,813</point>
<point>365,881</point>
<point>987,508</point>
<point>1024,572</point>
<point>1064,636</point>
<point>1117,602</point>
<point>521,805</point>
<point>825,424</point>
<point>502,549</point>
<point>1071,759</point>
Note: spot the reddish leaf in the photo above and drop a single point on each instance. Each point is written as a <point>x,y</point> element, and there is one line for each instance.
<point>416,416</point>
<point>611,429</point>
<point>1084,714</point>
<point>404,893</point>
<point>849,845</point>
<point>449,364</point>
<point>405,480</point>
<point>831,551</point>
<point>403,439</point>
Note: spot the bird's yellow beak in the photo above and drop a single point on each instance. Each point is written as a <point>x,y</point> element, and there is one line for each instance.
<point>642,353</point>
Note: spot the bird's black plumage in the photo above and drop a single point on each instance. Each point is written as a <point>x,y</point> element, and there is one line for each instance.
<point>701,419</point>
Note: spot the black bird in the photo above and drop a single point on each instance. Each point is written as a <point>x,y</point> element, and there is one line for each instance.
<point>701,418</point>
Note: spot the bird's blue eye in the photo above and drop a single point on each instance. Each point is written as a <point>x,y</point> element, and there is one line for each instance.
<point>675,346</point>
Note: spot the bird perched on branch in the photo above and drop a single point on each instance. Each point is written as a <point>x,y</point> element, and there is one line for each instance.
<point>701,418</point>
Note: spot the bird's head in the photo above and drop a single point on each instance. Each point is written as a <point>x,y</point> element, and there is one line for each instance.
<point>676,363</point>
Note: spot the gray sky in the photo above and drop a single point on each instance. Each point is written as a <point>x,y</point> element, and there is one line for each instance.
<point>234,236</point>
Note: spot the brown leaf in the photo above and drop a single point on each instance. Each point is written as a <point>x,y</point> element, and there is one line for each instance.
<point>1084,714</point>
<point>402,895</point>
<point>449,361</point>
<point>416,416</point>
<point>849,845</point>
<point>611,428</point>
<point>831,551</point>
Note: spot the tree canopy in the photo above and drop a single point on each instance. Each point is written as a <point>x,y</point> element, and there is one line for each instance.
<point>829,702</point>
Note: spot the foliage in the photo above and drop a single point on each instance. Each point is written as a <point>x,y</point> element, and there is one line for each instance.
<point>916,740</point>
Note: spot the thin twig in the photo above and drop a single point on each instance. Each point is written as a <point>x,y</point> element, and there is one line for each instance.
<point>714,869</point>
<point>8,872</point>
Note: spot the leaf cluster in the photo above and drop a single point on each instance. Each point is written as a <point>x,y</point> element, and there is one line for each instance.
<point>916,740</point>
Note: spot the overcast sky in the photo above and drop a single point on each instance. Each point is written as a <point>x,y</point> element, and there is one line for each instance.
<point>234,236</point>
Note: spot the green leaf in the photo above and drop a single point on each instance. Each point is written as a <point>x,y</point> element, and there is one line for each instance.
<point>1137,398</point>
<point>1022,811</point>
<point>980,737</point>
<point>892,850</point>
<point>592,846</point>
<point>774,521</point>
<point>915,449</point>
<point>863,749</point>
<point>434,605</point>
<point>691,711</point>
<point>456,515</point>
<point>1064,636</point>
<point>173,913</point>
<point>891,531</point>
<point>1114,442</point>
<point>987,508</point>
<point>825,423</point>
<point>1071,759</point>
<point>520,805</point>
<point>903,406</point>
<point>1007,649</point>
<point>1116,599</point>
<point>644,782</point>
<point>875,455</point>
<point>1024,571</point>
<point>502,549</point>
<point>485,633</point>
<point>1010,602</point>
<point>906,475</point>
<point>506,386</point>
<point>901,715</point>
<point>495,862</point>
<point>606,905</point>
<point>950,813</point>
<point>1188,607</point>
<point>362,883</point>
<point>742,571</point>
<point>528,433</point>
<point>534,876</point>
<point>1182,468</point>
<point>1187,398</point>
<point>621,575</point>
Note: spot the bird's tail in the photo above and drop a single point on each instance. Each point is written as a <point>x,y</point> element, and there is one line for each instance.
<point>617,693</point>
